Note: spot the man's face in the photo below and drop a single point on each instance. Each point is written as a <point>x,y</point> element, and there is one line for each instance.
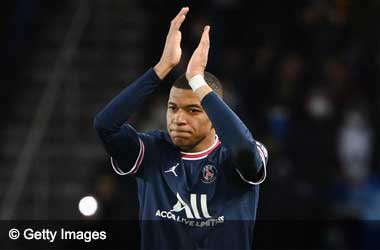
<point>187,122</point>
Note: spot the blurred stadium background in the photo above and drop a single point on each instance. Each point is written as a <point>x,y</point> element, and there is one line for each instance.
<point>303,75</point>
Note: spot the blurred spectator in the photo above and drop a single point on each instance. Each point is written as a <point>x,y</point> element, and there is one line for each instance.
<point>356,196</point>
<point>355,147</point>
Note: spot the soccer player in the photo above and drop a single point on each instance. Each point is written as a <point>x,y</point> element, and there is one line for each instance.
<point>200,174</point>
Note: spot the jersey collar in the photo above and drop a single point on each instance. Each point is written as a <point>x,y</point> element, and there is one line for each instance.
<point>201,154</point>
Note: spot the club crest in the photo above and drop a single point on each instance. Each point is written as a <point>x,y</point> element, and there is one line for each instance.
<point>208,174</point>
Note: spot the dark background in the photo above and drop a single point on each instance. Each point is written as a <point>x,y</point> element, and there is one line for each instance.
<point>303,76</point>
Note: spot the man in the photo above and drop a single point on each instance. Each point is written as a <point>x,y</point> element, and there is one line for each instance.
<point>202,173</point>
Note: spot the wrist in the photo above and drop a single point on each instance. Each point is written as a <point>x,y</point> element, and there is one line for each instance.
<point>162,69</point>
<point>191,75</point>
<point>197,81</point>
<point>199,86</point>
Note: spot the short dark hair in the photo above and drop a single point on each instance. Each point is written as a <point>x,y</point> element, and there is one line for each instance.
<point>214,83</point>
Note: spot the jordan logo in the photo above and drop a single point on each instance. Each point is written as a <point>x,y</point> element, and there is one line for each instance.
<point>172,169</point>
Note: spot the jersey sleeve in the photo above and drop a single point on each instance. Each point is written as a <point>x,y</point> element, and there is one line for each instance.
<point>122,142</point>
<point>124,164</point>
<point>263,173</point>
<point>126,158</point>
<point>244,153</point>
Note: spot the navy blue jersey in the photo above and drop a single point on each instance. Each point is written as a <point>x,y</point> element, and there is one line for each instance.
<point>204,200</point>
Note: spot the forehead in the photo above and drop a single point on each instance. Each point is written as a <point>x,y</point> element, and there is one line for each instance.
<point>183,97</point>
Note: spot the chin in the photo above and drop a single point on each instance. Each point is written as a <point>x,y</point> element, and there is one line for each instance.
<point>182,142</point>
<point>179,141</point>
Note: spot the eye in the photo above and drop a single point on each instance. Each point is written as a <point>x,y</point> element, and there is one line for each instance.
<point>172,108</point>
<point>194,110</point>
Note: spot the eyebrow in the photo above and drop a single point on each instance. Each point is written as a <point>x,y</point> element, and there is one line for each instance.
<point>187,106</point>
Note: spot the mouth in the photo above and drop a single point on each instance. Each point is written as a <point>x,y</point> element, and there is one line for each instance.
<point>180,133</point>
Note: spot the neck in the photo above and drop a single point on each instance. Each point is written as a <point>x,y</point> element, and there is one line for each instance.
<point>204,144</point>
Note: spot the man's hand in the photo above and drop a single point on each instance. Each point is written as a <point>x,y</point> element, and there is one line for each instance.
<point>172,50</point>
<point>198,60</point>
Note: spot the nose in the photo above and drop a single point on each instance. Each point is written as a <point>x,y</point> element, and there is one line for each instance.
<point>179,118</point>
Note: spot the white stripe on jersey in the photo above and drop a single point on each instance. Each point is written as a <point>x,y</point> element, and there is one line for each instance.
<point>135,166</point>
<point>264,158</point>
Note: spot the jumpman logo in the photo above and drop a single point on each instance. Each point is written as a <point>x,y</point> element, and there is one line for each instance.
<point>172,169</point>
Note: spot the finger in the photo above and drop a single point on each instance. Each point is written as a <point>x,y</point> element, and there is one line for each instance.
<point>179,22</point>
<point>176,22</point>
<point>205,35</point>
<point>182,12</point>
<point>205,39</point>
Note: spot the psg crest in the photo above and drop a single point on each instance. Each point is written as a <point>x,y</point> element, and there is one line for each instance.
<point>208,174</point>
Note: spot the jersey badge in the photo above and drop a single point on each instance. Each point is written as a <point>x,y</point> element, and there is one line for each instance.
<point>208,174</point>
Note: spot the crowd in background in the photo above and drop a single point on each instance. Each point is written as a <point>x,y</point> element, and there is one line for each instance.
<point>304,77</point>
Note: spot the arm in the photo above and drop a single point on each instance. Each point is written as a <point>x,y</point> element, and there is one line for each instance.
<point>120,140</point>
<point>250,156</point>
